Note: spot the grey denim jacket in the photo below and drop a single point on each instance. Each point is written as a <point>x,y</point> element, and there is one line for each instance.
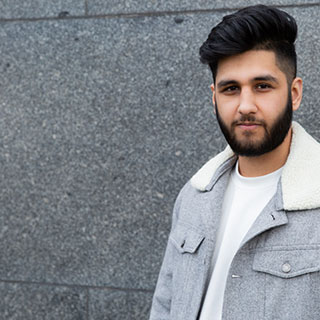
<point>276,272</point>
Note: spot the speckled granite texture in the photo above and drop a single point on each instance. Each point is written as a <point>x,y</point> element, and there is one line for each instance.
<point>102,121</point>
<point>101,7</point>
<point>119,305</point>
<point>26,9</point>
<point>38,302</point>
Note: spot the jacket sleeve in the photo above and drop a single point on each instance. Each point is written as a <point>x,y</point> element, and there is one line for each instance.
<point>161,303</point>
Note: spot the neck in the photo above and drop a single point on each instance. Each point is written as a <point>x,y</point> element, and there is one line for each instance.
<point>266,163</point>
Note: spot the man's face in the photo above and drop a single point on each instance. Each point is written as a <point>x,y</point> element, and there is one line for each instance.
<point>252,102</point>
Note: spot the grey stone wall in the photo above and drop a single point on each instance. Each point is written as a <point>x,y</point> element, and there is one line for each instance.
<point>105,112</point>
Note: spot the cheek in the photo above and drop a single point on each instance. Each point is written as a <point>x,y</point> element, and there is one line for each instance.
<point>271,108</point>
<point>227,110</point>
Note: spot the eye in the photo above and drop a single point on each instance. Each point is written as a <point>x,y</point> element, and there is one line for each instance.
<point>263,86</point>
<point>230,89</point>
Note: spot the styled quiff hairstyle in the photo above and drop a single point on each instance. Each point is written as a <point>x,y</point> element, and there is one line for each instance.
<point>253,28</point>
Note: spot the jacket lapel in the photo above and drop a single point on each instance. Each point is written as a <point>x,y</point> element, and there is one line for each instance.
<point>273,215</point>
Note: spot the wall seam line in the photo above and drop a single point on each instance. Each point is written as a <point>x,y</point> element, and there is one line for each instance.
<point>146,14</point>
<point>76,286</point>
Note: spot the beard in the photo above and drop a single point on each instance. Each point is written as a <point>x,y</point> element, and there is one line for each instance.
<point>274,134</point>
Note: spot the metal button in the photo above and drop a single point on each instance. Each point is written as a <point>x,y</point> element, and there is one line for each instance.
<point>286,267</point>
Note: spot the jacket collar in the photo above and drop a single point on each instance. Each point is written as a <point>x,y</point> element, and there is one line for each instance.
<point>300,179</point>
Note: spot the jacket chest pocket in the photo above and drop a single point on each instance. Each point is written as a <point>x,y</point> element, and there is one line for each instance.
<point>287,263</point>
<point>188,270</point>
<point>186,239</point>
<point>189,254</point>
<point>291,282</point>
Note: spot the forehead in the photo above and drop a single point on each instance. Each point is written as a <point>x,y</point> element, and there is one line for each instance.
<point>249,65</point>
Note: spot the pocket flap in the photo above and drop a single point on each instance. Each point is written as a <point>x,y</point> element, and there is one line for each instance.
<point>287,263</point>
<point>186,239</point>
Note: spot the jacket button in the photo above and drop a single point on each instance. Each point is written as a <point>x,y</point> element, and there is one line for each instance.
<point>286,267</point>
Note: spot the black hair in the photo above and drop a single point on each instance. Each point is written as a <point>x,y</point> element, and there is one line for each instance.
<point>253,28</point>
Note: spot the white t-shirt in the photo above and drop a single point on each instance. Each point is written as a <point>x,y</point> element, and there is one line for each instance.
<point>243,201</point>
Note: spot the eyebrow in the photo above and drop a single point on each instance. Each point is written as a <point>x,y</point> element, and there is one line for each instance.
<point>224,83</point>
<point>266,78</point>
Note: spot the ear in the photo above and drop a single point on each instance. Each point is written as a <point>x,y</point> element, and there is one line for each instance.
<point>213,98</point>
<point>296,93</point>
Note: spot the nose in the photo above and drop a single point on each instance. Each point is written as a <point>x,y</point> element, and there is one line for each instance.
<point>247,103</point>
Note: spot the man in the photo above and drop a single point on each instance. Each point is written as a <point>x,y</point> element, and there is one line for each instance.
<point>245,240</point>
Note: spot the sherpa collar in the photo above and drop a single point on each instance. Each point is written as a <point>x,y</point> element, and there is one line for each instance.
<point>300,177</point>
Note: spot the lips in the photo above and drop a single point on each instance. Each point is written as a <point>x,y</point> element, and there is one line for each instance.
<point>248,125</point>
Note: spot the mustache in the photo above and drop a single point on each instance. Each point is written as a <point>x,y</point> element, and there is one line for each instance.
<point>248,119</point>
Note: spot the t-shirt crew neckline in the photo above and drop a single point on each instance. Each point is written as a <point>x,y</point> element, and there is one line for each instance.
<point>255,182</point>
